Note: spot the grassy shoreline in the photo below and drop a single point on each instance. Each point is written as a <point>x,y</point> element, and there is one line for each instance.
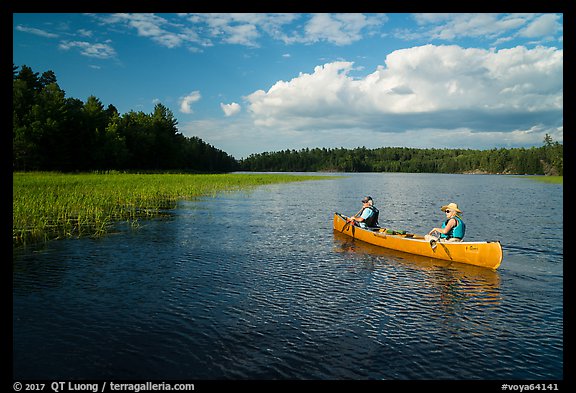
<point>48,205</point>
<point>548,179</point>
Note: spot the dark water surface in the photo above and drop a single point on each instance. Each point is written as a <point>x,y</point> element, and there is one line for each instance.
<point>256,285</point>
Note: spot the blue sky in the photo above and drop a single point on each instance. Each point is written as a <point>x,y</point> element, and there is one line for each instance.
<point>249,83</point>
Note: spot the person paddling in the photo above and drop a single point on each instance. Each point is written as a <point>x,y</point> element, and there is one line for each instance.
<point>368,216</point>
<point>453,228</point>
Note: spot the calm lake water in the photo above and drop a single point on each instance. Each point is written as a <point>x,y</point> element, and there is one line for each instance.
<point>256,285</point>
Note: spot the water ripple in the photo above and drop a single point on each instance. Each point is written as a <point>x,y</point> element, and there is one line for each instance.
<point>279,298</point>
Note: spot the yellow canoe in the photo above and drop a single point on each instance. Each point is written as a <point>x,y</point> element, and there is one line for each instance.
<point>484,254</point>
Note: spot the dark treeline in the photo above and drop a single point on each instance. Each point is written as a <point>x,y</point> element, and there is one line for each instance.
<point>56,133</point>
<point>547,159</point>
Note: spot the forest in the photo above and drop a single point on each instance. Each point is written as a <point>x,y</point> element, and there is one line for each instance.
<point>544,160</point>
<point>52,132</point>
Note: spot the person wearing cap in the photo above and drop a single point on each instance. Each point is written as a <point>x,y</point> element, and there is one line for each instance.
<point>368,216</point>
<point>453,228</point>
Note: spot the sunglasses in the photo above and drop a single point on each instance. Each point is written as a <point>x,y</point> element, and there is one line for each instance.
<point>447,211</point>
<point>365,201</point>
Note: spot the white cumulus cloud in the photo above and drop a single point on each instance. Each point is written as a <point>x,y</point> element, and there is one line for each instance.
<point>230,109</point>
<point>426,86</point>
<point>187,101</point>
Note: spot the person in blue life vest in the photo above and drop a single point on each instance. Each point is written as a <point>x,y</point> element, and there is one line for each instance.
<point>368,216</point>
<point>453,228</point>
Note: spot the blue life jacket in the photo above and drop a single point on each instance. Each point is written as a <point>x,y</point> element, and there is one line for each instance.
<point>372,221</point>
<point>458,231</point>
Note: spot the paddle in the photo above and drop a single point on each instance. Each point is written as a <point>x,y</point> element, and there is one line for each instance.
<point>446,250</point>
<point>433,241</point>
<point>349,221</point>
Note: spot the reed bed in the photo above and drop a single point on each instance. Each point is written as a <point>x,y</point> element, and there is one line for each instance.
<point>50,205</point>
<point>548,179</point>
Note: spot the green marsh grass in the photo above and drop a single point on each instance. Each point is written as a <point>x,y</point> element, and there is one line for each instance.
<point>548,179</point>
<point>50,205</point>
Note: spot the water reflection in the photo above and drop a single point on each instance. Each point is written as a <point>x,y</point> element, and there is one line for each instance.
<point>453,282</point>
